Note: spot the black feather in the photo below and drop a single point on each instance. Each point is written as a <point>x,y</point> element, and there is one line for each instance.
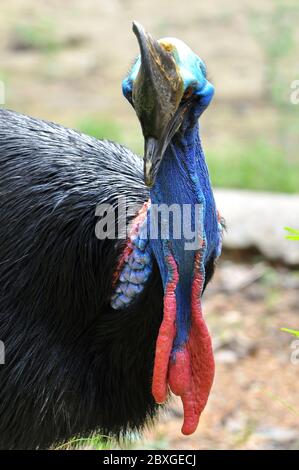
<point>73,364</point>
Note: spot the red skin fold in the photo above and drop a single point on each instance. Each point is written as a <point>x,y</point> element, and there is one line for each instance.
<point>190,375</point>
<point>166,334</point>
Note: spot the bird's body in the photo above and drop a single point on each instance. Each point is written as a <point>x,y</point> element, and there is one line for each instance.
<point>73,364</point>
<point>98,328</point>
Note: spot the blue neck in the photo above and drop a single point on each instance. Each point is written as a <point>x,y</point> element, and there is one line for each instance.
<point>183,179</point>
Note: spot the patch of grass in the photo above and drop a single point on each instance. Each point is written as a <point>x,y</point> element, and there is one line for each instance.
<point>244,435</point>
<point>100,128</point>
<point>293,234</point>
<point>40,35</point>
<point>95,442</point>
<point>275,30</point>
<point>259,166</point>
<point>292,332</point>
<point>99,442</point>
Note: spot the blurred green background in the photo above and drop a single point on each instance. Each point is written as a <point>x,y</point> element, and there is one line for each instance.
<point>64,61</point>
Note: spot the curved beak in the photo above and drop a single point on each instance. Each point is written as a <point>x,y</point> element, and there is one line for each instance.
<point>157,93</point>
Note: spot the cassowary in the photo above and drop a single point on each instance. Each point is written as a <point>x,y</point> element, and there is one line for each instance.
<point>99,328</point>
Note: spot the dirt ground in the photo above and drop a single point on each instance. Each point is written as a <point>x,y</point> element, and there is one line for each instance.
<point>254,402</point>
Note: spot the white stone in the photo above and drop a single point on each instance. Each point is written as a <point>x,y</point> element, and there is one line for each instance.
<point>257,219</point>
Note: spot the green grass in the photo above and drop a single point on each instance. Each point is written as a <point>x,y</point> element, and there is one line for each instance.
<point>95,442</point>
<point>38,35</point>
<point>100,128</point>
<point>257,166</point>
<point>100,442</point>
<point>292,332</point>
<point>292,234</point>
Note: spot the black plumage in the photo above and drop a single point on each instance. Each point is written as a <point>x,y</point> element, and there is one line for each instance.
<point>73,364</point>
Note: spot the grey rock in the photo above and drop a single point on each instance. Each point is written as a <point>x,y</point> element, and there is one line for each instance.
<point>278,435</point>
<point>231,349</point>
<point>257,219</point>
<point>226,356</point>
<point>234,277</point>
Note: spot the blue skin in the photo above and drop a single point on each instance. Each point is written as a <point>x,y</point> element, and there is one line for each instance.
<point>183,178</point>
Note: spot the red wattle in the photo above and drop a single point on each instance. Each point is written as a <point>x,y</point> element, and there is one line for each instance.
<point>199,348</point>
<point>191,372</point>
<point>166,334</point>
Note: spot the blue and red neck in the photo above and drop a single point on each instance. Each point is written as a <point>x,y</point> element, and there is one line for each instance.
<point>183,180</point>
<point>184,357</point>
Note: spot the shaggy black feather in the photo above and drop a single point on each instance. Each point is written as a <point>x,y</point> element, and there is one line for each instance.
<point>73,364</point>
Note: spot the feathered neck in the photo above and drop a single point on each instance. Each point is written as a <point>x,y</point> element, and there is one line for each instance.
<point>184,358</point>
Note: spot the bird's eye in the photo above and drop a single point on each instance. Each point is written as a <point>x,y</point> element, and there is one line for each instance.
<point>127,91</point>
<point>129,96</point>
<point>188,94</point>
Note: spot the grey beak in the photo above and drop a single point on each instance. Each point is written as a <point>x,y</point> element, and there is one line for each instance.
<point>157,93</point>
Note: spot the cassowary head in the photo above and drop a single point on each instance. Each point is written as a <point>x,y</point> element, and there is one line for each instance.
<point>167,86</point>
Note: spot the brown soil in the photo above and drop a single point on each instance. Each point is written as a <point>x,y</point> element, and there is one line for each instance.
<point>254,402</point>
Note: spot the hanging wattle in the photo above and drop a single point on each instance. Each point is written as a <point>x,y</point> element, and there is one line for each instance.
<point>184,356</point>
<point>190,370</point>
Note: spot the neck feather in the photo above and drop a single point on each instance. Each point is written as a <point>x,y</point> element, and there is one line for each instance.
<point>183,179</point>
